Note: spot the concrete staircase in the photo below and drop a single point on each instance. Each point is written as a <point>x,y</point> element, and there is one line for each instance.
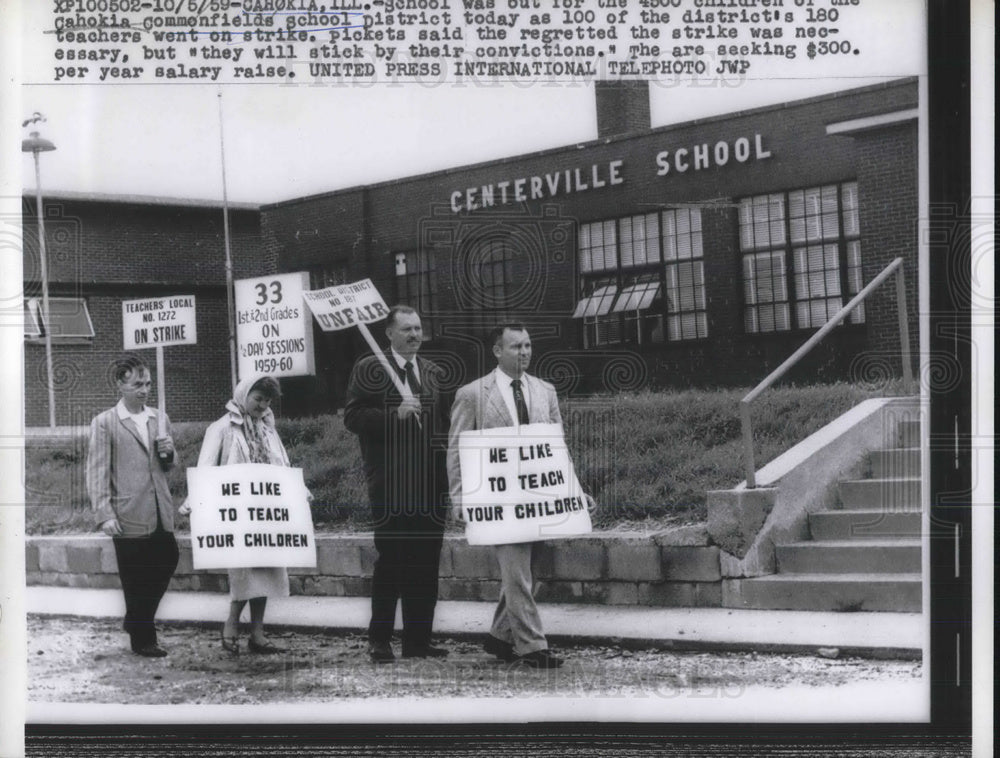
<point>865,556</point>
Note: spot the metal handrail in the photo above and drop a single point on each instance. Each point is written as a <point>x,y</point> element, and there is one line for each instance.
<point>904,336</point>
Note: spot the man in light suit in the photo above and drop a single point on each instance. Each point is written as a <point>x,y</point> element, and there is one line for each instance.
<point>127,484</point>
<point>507,396</point>
<point>403,440</point>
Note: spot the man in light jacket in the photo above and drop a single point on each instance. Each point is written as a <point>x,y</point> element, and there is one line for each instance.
<point>507,396</point>
<point>127,484</point>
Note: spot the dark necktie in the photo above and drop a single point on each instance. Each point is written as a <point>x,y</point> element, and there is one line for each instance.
<point>522,408</point>
<point>411,379</point>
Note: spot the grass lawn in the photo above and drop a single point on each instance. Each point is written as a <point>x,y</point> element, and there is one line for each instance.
<point>647,457</point>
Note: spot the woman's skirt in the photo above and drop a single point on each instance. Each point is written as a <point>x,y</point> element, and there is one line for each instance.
<point>248,583</point>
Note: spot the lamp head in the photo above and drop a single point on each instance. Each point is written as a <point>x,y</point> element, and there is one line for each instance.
<point>36,144</point>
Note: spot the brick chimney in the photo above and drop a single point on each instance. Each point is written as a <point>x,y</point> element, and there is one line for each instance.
<point>622,107</point>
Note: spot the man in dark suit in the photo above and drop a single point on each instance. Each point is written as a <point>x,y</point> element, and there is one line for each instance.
<point>127,484</point>
<point>507,397</point>
<point>403,437</point>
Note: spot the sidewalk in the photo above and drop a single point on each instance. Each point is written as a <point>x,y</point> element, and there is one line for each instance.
<point>877,635</point>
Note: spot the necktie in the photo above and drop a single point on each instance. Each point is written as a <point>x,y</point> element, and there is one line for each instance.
<point>522,408</point>
<point>411,379</point>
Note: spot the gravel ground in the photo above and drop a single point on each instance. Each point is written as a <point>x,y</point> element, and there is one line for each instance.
<point>88,661</point>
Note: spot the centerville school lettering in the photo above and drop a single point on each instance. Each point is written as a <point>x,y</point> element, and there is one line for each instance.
<point>567,181</point>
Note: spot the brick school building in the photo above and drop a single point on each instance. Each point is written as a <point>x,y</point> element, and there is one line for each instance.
<point>697,254</point>
<point>102,250</point>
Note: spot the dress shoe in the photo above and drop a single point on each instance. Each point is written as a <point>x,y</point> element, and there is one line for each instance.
<point>424,651</point>
<point>263,648</point>
<point>540,659</point>
<point>502,650</point>
<point>380,652</point>
<point>149,650</point>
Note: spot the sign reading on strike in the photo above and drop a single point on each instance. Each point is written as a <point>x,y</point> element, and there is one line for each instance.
<point>159,322</point>
<point>519,487</point>
<point>346,305</point>
<point>250,514</point>
<point>273,329</point>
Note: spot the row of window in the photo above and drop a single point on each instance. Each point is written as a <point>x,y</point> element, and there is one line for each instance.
<point>642,277</point>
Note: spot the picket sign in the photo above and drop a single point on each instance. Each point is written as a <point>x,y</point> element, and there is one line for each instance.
<point>519,485</point>
<point>274,333</point>
<point>357,304</point>
<point>159,322</point>
<point>250,515</point>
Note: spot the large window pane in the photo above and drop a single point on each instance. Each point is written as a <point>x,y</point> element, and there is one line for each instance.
<point>598,246</point>
<point>762,221</point>
<point>685,279</point>
<point>822,228</point>
<point>765,292</point>
<point>640,241</point>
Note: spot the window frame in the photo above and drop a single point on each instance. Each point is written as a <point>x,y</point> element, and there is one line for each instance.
<point>425,301</point>
<point>632,236</point>
<point>799,298</point>
<point>33,309</point>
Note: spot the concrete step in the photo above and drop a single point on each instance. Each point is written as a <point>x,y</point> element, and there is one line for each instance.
<point>909,434</point>
<point>889,494</point>
<point>896,463</point>
<point>823,592</point>
<point>864,525</point>
<point>849,557</point>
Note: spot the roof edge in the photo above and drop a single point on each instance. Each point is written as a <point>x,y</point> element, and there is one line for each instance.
<point>128,199</point>
<point>893,83</point>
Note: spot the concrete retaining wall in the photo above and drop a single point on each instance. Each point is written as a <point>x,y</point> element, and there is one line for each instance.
<point>676,568</point>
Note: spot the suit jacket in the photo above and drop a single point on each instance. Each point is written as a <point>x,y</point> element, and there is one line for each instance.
<point>404,461</point>
<point>480,405</point>
<point>125,479</point>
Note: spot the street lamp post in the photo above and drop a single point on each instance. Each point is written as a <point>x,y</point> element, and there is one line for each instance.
<point>35,145</point>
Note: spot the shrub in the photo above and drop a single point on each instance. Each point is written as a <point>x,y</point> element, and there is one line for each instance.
<point>647,456</point>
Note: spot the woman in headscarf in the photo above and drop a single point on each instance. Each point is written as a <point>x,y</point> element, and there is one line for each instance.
<point>246,434</point>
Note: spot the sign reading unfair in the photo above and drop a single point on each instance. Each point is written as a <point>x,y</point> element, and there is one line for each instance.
<point>519,485</point>
<point>356,304</point>
<point>249,514</point>
<point>159,322</point>
<point>273,329</point>
<point>346,305</point>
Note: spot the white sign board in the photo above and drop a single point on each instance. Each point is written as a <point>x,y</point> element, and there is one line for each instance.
<point>519,485</point>
<point>346,305</point>
<point>273,328</point>
<point>159,322</point>
<point>249,515</point>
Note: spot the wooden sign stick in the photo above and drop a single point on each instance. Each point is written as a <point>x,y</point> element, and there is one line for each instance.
<point>161,394</point>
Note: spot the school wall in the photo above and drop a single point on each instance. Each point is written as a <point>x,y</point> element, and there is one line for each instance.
<point>356,233</point>
<point>110,251</point>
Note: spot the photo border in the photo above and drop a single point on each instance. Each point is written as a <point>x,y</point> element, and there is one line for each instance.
<point>949,730</point>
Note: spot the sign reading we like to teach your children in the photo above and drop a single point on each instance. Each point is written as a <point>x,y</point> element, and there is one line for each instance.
<point>519,485</point>
<point>250,514</point>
